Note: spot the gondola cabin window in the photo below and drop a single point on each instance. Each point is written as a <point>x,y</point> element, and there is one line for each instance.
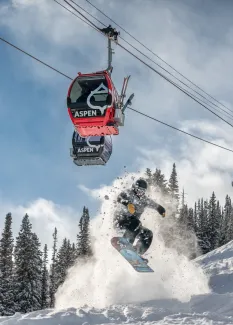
<point>91,91</point>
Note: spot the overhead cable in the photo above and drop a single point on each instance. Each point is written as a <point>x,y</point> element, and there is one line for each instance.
<point>136,111</point>
<point>196,99</point>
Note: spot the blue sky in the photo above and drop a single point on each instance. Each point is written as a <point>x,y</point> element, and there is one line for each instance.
<point>35,130</point>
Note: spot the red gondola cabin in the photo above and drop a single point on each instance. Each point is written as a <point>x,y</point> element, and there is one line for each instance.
<point>94,105</point>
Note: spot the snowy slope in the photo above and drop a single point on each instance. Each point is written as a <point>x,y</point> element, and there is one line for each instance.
<point>218,264</point>
<point>206,309</point>
<point>210,308</point>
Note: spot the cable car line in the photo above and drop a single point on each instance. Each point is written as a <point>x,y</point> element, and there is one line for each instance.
<point>156,55</point>
<point>185,91</point>
<point>33,57</point>
<point>136,111</point>
<point>88,13</point>
<point>177,86</point>
<point>72,12</point>
<point>177,129</point>
<point>230,115</point>
<point>93,25</point>
<point>198,100</point>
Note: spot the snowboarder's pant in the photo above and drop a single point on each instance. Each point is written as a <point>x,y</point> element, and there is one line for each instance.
<point>133,228</point>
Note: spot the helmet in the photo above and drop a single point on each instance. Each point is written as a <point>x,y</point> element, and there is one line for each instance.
<point>140,187</point>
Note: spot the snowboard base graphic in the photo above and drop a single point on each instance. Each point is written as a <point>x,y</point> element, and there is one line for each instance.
<point>128,252</point>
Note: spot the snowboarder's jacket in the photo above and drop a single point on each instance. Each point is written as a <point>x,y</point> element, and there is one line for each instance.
<point>134,205</point>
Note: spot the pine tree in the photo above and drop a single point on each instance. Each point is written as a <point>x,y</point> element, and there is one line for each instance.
<point>148,176</point>
<point>185,231</point>
<point>65,259</point>
<point>72,254</point>
<point>53,281</point>
<point>173,189</point>
<point>45,278</point>
<point>224,221</point>
<point>159,181</point>
<point>219,218</point>
<point>229,233</point>
<point>202,230</point>
<point>6,269</point>
<point>28,266</point>
<point>183,215</point>
<point>83,239</point>
<point>195,224</point>
<point>37,264</point>
<point>213,222</point>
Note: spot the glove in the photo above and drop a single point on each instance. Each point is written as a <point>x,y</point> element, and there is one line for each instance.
<point>131,208</point>
<point>122,201</point>
<point>125,202</point>
<point>161,211</point>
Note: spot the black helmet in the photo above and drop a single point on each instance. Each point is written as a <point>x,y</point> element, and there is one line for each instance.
<point>140,187</point>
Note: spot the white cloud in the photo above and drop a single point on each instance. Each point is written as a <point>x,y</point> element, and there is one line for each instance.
<point>45,216</point>
<point>201,167</point>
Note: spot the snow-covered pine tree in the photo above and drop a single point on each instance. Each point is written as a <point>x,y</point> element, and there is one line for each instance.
<point>28,264</point>
<point>195,250</point>
<point>213,222</point>
<point>86,234</point>
<point>148,176</point>
<point>64,261</point>
<point>202,231</point>
<point>173,189</point>
<point>185,231</point>
<point>159,181</point>
<point>79,238</point>
<point>52,276</point>
<point>218,224</point>
<point>170,232</point>
<point>224,222</point>
<point>37,264</point>
<point>71,254</point>
<point>45,279</point>
<point>74,253</point>
<point>195,224</point>
<point>191,221</point>
<point>186,215</point>
<point>229,235</point>
<point>183,213</point>
<point>7,306</point>
<point>84,249</point>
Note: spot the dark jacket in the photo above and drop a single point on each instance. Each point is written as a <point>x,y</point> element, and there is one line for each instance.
<point>140,203</point>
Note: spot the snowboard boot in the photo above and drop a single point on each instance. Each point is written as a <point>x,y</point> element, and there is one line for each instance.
<point>140,251</point>
<point>144,259</point>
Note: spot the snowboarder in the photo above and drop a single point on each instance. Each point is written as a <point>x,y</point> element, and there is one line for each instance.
<point>133,203</point>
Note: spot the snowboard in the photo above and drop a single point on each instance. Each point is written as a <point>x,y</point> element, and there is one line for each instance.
<point>123,246</point>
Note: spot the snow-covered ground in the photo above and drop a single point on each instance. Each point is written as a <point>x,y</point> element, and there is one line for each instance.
<point>210,308</point>
<point>219,264</point>
<point>203,309</point>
